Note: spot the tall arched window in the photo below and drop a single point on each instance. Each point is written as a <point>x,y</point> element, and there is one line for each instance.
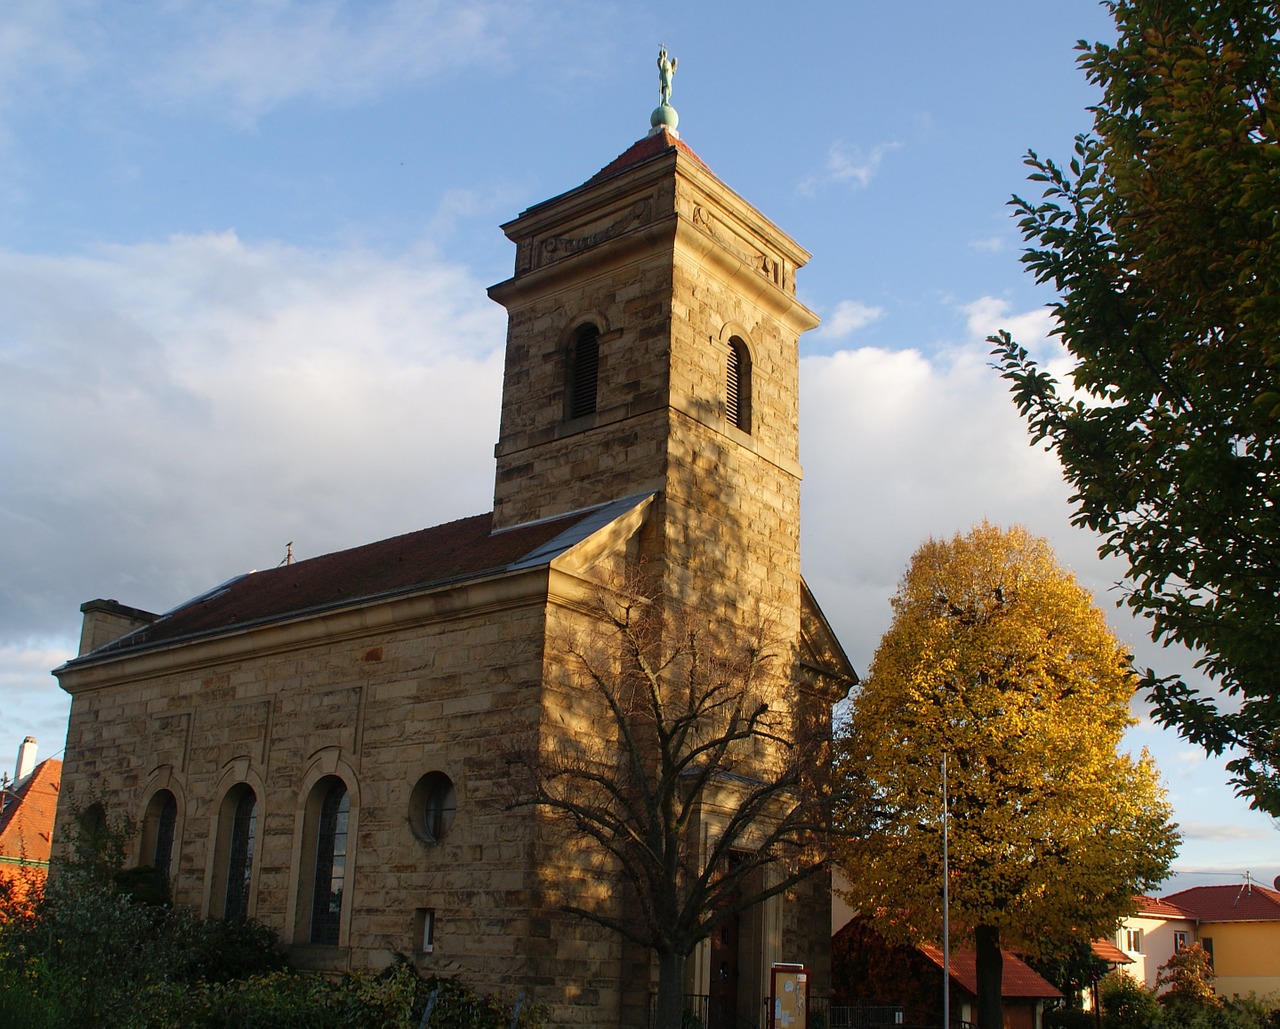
<point>331,862</point>
<point>584,367</point>
<point>737,392</point>
<point>159,830</point>
<point>237,829</point>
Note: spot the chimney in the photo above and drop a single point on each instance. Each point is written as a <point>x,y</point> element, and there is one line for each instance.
<point>26,760</point>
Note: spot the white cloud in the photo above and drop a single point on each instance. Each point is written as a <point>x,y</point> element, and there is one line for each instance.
<point>174,413</point>
<point>905,447</point>
<point>38,47</point>
<point>253,57</point>
<point>988,315</point>
<point>989,245</point>
<point>30,697</point>
<point>848,317</point>
<point>851,166</point>
<point>1217,832</point>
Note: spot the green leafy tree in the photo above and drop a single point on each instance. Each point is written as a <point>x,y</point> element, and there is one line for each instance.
<point>1073,969</point>
<point>997,658</point>
<point>1162,241</point>
<point>1127,1004</point>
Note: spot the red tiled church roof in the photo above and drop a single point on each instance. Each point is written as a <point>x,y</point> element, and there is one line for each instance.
<point>1251,903</point>
<point>455,551</point>
<point>26,823</point>
<point>644,150</point>
<point>1018,981</point>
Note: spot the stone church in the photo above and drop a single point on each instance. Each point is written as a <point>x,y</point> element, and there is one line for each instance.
<point>318,746</point>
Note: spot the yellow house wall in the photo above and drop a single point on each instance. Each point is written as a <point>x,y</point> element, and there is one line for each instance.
<point>1246,956</point>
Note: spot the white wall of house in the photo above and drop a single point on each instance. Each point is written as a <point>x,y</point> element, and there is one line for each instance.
<point>1151,941</point>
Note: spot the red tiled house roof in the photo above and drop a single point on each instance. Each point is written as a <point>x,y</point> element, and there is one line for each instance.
<point>1018,982</point>
<point>1109,952</point>
<point>1157,907</point>
<point>26,823</point>
<point>1249,903</point>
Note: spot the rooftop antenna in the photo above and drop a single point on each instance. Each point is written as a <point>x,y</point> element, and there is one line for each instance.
<point>288,555</point>
<point>1245,890</point>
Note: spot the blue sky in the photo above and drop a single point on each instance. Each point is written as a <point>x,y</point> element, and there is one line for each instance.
<point>244,250</point>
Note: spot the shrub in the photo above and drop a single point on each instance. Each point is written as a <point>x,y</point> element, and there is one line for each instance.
<point>1127,1004</point>
<point>1069,1018</point>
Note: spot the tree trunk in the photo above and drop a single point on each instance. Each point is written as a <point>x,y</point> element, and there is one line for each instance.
<point>990,972</point>
<point>670,1006</point>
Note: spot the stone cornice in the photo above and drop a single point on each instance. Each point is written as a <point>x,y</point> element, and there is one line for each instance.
<point>476,597</point>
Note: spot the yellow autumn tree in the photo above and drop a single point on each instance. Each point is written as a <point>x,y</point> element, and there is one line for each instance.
<point>998,659</point>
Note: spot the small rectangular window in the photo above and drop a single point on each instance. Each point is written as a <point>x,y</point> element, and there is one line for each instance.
<point>426,932</point>
<point>1133,941</point>
<point>1179,941</point>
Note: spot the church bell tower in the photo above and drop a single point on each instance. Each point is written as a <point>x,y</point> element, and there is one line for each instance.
<point>653,347</point>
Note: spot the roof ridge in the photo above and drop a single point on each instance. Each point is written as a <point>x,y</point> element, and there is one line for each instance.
<point>658,142</point>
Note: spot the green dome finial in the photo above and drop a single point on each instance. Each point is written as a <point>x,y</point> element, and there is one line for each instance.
<point>664,115</point>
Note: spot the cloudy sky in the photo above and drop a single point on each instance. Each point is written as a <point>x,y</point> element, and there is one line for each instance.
<point>244,249</point>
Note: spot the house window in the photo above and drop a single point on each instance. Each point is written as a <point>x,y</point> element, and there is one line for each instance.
<point>432,806</point>
<point>737,391</point>
<point>1133,941</point>
<point>584,366</point>
<point>238,825</point>
<point>1179,941</point>
<point>1207,944</point>
<point>159,829</point>
<point>331,863</point>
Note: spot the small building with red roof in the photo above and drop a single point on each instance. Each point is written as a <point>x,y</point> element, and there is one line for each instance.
<point>28,805</point>
<point>870,973</point>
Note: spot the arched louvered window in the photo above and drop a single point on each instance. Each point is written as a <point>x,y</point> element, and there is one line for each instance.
<point>331,862</point>
<point>737,389</point>
<point>584,365</point>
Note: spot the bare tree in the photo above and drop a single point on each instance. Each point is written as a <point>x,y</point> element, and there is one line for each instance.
<point>705,781</point>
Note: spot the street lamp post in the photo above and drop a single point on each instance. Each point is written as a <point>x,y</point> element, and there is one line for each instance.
<point>946,907</point>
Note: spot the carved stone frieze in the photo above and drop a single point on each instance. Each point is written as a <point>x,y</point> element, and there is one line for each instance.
<point>770,266</point>
<point>553,248</point>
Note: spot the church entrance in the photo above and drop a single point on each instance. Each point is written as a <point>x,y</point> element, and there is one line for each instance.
<point>722,994</point>
<point>722,1000</point>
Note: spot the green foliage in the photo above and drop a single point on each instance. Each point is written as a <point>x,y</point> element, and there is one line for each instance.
<point>92,952</point>
<point>1127,1004</point>
<point>1187,978</point>
<point>1162,240</point>
<point>1238,1013</point>
<point>1073,969</point>
<point>1069,1018</point>
<point>143,884</point>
